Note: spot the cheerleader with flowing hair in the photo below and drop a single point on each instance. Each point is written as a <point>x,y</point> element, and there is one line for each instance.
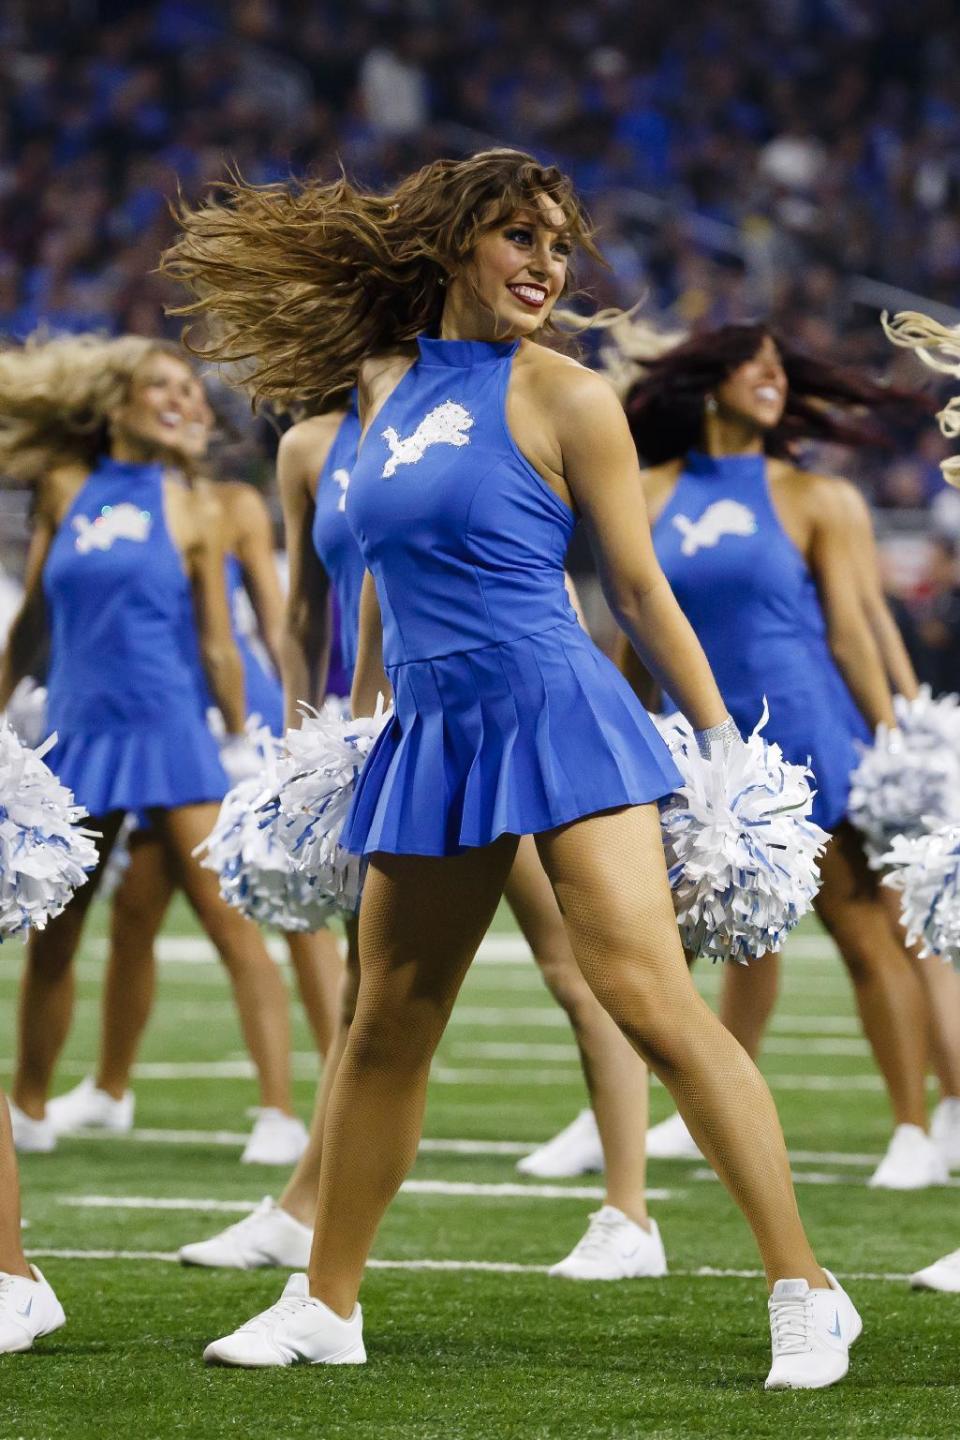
<point>480,448</point>
<point>759,554</point>
<point>142,898</point>
<point>122,550</point>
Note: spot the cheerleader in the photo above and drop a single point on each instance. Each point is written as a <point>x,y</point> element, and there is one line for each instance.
<point>622,1242</point>
<point>141,901</point>
<point>480,448</point>
<point>757,552</point>
<point>121,549</point>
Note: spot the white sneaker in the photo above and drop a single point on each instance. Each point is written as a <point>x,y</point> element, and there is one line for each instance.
<point>811,1332</point>
<point>87,1108</point>
<point>298,1330</point>
<point>671,1140</point>
<point>31,1137</point>
<point>945,1131</point>
<point>912,1162</point>
<point>28,1309</point>
<point>276,1139</point>
<point>614,1248</point>
<point>575,1151</point>
<point>942,1275</point>
<point>269,1236</point>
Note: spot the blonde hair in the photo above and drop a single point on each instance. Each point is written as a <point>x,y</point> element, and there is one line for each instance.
<point>635,343</point>
<point>300,283</point>
<point>938,346</point>
<point>56,395</point>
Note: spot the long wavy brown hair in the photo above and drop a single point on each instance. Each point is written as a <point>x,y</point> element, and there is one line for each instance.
<point>299,283</point>
<point>57,394</point>
<point>666,395</point>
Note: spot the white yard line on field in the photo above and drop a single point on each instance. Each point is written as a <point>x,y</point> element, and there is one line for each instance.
<point>541,1050</point>
<point>451,1189</point>
<point>305,1068</point>
<point>490,1267</point>
<point>497,949</point>
<point>481,1148</point>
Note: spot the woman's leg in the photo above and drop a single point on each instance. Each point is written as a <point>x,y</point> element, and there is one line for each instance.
<point>421,922</point>
<point>136,914</point>
<point>616,1077</point>
<point>609,876</point>
<point>299,1197</point>
<point>258,988</point>
<point>747,999</point>
<point>319,969</point>
<point>941,985</point>
<point>888,993</point>
<point>47,990</point>
<point>12,1259</point>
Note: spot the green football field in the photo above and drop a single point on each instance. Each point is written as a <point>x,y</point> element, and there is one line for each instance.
<point>466,1335</point>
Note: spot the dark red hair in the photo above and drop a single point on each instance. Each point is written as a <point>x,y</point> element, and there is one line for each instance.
<point>665,407</point>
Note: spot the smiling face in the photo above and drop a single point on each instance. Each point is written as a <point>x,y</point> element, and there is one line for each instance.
<point>756,391</point>
<point>160,403</point>
<point>515,275</point>
<point>200,422</point>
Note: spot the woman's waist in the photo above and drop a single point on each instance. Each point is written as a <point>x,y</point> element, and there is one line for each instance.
<point>559,632</point>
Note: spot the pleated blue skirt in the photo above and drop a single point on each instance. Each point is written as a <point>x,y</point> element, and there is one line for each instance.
<point>153,766</point>
<point>513,738</point>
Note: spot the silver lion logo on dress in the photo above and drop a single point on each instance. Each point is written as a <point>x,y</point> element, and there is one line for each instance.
<point>115,522</point>
<point>447,424</point>
<point>723,517</point>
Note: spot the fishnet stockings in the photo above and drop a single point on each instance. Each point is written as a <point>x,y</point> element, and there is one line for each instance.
<point>421,922</point>
<point>609,875</point>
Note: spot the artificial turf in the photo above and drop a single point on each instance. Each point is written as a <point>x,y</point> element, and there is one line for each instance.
<point>474,1353</point>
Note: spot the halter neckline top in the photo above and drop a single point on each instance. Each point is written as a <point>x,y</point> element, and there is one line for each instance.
<point>117,592</point>
<point>753,602</point>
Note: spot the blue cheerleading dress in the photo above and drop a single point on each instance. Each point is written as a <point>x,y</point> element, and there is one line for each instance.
<point>749,595</point>
<point>508,719</point>
<point>334,541</point>
<point>121,692</point>
<point>263,693</point>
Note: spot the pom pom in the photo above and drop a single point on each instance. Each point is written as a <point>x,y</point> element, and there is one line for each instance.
<point>926,870</point>
<point>248,850</point>
<point>929,722</point>
<point>44,856</point>
<point>326,756</point>
<point>27,711</point>
<point>908,779</point>
<point>740,844</point>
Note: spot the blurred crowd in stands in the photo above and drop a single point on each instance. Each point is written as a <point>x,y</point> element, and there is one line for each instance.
<point>796,159</point>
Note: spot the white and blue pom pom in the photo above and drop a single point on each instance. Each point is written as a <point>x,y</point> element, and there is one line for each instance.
<point>741,847</point>
<point>926,870</point>
<point>326,755</point>
<point>44,855</point>
<point>928,721</point>
<point>247,848</point>
<point>908,779</point>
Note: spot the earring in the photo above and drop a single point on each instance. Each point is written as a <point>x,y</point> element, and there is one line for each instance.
<point>442,280</point>
<point>710,404</point>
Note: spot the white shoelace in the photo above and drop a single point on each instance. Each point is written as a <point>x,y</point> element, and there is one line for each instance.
<point>601,1230</point>
<point>791,1322</point>
<point>286,1307</point>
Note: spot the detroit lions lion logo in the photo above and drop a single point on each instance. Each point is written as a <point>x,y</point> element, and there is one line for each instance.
<point>342,478</point>
<point>115,522</point>
<point>723,517</point>
<point>446,425</point>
